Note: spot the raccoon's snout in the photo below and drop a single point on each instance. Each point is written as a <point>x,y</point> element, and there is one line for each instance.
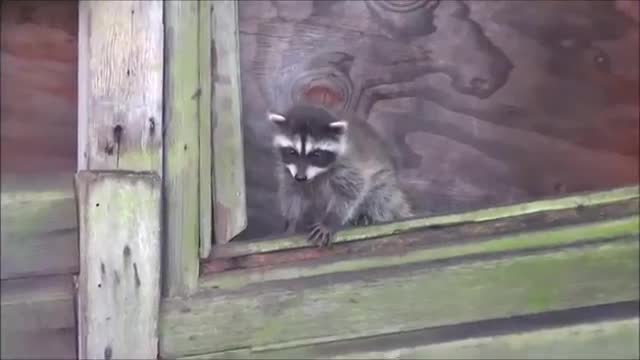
<point>300,177</point>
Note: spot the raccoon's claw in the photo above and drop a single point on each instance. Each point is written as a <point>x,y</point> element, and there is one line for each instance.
<point>320,235</point>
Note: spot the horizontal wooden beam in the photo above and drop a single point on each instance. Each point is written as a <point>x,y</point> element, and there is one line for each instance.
<point>615,339</point>
<point>288,263</point>
<point>38,225</point>
<point>38,318</point>
<point>567,235</point>
<point>395,228</point>
<point>339,306</point>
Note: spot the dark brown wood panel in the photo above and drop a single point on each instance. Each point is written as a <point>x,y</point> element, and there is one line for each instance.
<point>483,102</point>
<point>38,65</point>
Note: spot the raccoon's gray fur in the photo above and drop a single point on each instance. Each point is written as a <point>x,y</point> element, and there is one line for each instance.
<point>333,172</point>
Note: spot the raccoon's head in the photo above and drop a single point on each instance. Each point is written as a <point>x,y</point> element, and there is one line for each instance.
<point>309,140</point>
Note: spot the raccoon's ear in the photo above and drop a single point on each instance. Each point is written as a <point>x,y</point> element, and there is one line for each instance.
<point>275,118</point>
<point>339,127</point>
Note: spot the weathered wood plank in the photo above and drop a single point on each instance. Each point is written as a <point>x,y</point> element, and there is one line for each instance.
<point>120,63</point>
<point>230,216</point>
<point>392,299</point>
<point>38,225</point>
<point>569,235</point>
<point>360,233</point>
<point>119,283</point>
<point>205,49</point>
<point>615,339</point>
<point>38,318</point>
<point>182,163</point>
<point>608,340</point>
<point>419,239</point>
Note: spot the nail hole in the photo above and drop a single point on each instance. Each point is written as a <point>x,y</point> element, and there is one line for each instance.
<point>152,125</point>
<point>97,204</point>
<point>117,133</point>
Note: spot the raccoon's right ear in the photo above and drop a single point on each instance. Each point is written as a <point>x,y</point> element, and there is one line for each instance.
<point>275,118</point>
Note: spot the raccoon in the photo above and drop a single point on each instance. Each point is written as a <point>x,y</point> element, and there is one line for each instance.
<point>332,172</point>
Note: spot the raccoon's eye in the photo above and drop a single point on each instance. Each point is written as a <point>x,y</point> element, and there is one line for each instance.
<point>291,151</point>
<point>314,154</point>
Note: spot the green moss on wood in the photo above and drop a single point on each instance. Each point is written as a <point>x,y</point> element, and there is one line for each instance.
<point>204,120</point>
<point>38,226</point>
<point>181,147</point>
<point>360,233</point>
<point>513,242</point>
<point>615,339</point>
<point>342,306</point>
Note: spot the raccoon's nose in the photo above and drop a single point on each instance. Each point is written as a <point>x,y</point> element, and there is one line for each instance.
<point>300,177</point>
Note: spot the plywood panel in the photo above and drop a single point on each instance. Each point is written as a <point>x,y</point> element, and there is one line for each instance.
<point>483,102</point>
<point>38,65</point>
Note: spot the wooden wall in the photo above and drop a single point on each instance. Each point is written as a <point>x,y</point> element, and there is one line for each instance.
<point>38,66</point>
<point>483,102</point>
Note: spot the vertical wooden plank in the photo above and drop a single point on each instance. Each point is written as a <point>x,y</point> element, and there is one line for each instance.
<point>181,147</point>
<point>120,79</point>
<point>119,283</point>
<point>204,50</point>
<point>229,211</point>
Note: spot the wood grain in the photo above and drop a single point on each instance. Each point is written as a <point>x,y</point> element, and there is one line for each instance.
<point>38,61</point>
<point>399,227</point>
<point>427,245</point>
<point>528,102</point>
<point>229,208</point>
<point>181,154</point>
<point>119,283</point>
<point>38,318</point>
<point>205,185</point>
<point>613,339</point>
<point>366,303</point>
<point>38,225</point>
<point>120,84</point>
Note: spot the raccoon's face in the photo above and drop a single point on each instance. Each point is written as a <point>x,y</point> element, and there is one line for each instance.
<point>309,140</point>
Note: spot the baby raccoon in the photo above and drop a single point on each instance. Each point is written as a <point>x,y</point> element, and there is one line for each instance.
<point>333,172</point>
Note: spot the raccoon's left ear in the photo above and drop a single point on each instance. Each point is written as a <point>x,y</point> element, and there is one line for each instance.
<point>275,118</point>
<point>339,127</point>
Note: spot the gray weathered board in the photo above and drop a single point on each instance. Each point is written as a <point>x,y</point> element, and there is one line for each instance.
<point>38,318</point>
<point>559,258</point>
<point>38,225</point>
<point>483,102</point>
<point>119,282</point>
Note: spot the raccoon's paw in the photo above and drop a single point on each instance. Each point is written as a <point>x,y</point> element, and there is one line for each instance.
<point>363,220</point>
<point>320,235</point>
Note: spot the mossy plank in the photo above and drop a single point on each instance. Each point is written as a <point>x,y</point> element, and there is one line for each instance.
<point>418,239</point>
<point>568,235</point>
<point>181,147</point>
<point>607,340</point>
<point>614,339</point>
<point>38,226</point>
<point>229,208</point>
<point>365,303</point>
<point>204,114</point>
<point>119,281</point>
<point>120,81</point>
<point>483,215</point>
<point>38,318</point>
